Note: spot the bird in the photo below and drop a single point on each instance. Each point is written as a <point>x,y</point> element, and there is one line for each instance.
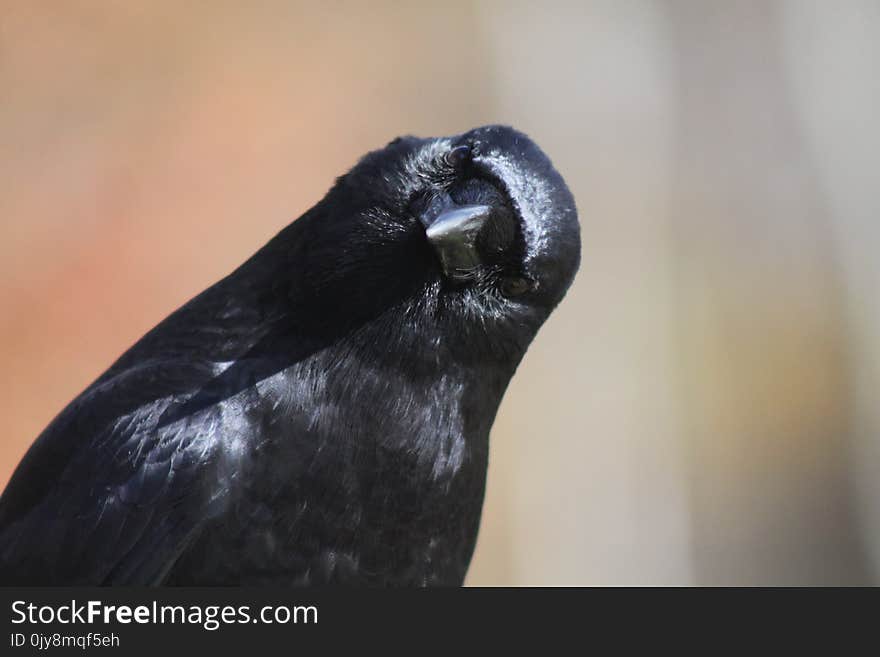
<point>321,415</point>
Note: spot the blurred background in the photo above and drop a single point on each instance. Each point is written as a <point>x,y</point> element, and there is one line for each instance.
<point>700,409</point>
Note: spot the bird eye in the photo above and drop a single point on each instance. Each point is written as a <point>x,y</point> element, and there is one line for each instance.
<point>513,286</point>
<point>458,156</point>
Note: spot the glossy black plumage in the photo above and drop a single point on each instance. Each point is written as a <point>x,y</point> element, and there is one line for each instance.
<point>322,414</point>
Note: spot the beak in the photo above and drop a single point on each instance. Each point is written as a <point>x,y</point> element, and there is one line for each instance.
<point>453,234</point>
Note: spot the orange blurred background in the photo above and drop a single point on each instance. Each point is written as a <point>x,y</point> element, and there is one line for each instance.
<point>700,409</point>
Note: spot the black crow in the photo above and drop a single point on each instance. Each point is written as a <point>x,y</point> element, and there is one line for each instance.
<point>322,414</point>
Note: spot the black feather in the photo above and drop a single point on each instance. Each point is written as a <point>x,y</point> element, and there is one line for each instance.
<point>322,414</point>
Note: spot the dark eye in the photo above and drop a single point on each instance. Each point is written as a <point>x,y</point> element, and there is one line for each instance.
<point>458,156</point>
<point>513,286</point>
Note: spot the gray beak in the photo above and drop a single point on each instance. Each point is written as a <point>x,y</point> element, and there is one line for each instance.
<point>453,234</point>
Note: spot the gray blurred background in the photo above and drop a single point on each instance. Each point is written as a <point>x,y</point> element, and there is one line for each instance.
<point>700,409</point>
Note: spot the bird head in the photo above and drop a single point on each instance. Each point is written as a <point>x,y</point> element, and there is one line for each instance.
<point>478,229</point>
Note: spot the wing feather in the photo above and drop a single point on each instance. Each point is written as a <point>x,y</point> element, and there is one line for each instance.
<point>106,496</point>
